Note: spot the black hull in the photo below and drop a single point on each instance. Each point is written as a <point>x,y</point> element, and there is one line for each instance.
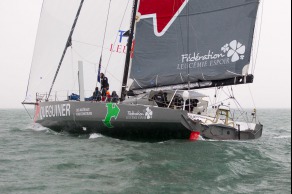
<point>129,122</point>
<point>132,122</point>
<point>222,132</point>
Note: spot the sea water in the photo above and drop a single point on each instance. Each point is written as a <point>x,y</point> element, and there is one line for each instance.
<point>35,160</point>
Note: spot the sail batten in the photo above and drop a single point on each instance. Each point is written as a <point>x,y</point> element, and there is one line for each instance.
<point>205,40</point>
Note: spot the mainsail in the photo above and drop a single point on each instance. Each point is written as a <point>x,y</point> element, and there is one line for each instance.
<point>99,32</point>
<point>193,43</point>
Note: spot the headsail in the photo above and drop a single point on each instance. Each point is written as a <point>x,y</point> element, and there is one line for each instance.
<point>100,23</point>
<point>181,41</point>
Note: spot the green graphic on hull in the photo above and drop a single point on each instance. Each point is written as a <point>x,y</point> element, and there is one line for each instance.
<point>113,111</point>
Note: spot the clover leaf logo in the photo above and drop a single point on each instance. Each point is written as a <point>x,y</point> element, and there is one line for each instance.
<point>225,48</point>
<point>149,113</point>
<point>235,50</point>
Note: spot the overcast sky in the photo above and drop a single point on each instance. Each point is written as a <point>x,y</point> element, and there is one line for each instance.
<point>271,89</point>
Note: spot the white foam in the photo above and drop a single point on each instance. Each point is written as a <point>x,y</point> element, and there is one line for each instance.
<point>283,137</point>
<point>162,142</point>
<point>95,136</point>
<point>37,127</point>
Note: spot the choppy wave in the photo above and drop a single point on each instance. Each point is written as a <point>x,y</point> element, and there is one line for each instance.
<point>283,137</point>
<point>63,163</point>
<point>37,127</point>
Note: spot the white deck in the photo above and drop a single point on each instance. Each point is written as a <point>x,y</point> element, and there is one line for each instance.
<point>209,120</point>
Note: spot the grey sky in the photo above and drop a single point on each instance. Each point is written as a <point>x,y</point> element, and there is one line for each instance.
<point>271,89</point>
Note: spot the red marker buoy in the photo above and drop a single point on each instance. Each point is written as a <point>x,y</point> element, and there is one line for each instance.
<point>195,135</point>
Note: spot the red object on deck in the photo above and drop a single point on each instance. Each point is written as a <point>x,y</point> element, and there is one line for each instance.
<point>195,136</point>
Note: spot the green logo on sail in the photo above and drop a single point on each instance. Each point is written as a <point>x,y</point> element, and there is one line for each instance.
<point>113,111</point>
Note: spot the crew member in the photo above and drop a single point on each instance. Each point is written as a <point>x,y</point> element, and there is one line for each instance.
<point>97,95</point>
<point>104,82</point>
<point>115,97</point>
<point>160,99</point>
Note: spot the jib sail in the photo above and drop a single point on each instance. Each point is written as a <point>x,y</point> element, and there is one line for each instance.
<point>99,31</point>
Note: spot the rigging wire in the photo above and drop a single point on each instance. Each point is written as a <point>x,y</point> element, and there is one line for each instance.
<point>219,102</point>
<point>117,37</point>
<point>215,96</point>
<point>83,58</point>
<point>88,44</point>
<point>232,92</point>
<point>93,63</point>
<point>68,44</point>
<point>188,44</point>
<point>255,107</point>
<point>231,96</point>
<point>254,104</point>
<point>98,46</point>
<point>106,24</point>
<point>27,112</point>
<point>104,36</point>
<point>255,58</point>
<point>240,109</point>
<point>188,49</point>
<point>237,104</point>
<point>181,34</point>
<point>221,90</point>
<point>103,42</point>
<point>75,77</point>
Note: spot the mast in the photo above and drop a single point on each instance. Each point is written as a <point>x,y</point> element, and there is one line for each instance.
<point>68,44</point>
<point>129,48</point>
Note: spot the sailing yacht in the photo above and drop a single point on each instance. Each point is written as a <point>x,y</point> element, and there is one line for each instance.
<point>157,56</point>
